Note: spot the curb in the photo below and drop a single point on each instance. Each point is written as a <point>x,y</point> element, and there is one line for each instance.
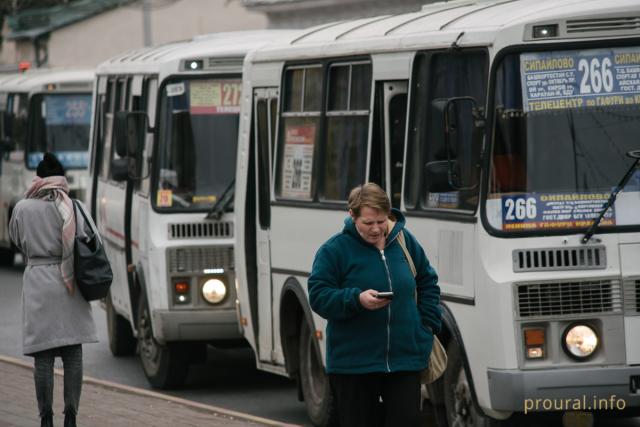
<point>216,410</point>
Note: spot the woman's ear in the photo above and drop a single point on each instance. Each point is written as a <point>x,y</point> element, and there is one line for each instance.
<point>353,215</point>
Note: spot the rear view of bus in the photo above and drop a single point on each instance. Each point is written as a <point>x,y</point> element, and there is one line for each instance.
<point>41,110</point>
<point>162,170</point>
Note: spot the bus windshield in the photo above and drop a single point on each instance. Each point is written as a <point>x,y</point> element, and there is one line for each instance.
<point>198,140</point>
<point>60,124</point>
<point>564,122</point>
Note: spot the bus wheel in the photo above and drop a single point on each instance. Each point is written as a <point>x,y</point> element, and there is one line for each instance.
<point>165,366</point>
<point>6,257</point>
<point>314,381</point>
<point>121,339</point>
<point>458,401</point>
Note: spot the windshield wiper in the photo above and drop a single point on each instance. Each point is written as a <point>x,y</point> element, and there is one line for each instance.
<point>635,154</point>
<point>225,200</point>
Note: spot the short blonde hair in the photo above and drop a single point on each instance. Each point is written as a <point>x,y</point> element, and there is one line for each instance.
<point>369,195</point>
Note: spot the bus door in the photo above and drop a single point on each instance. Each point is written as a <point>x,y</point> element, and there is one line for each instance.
<point>110,193</point>
<point>265,113</point>
<point>139,98</point>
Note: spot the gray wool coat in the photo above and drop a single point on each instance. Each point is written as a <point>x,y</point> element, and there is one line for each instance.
<point>51,317</point>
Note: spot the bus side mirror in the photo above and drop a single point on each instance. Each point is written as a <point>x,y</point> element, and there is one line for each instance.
<point>120,133</point>
<point>441,175</point>
<point>120,169</point>
<point>130,130</point>
<point>460,123</point>
<point>136,132</point>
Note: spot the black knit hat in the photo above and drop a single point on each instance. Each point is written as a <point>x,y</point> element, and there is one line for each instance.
<point>49,166</point>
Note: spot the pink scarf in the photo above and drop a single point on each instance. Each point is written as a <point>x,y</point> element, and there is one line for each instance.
<point>56,188</point>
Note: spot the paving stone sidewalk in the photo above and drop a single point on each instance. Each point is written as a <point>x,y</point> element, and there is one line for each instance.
<point>107,404</point>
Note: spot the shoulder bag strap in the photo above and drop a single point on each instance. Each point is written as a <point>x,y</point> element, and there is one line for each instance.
<point>403,245</point>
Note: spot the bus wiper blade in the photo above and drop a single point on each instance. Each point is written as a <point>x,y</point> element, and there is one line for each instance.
<point>223,202</point>
<point>635,154</point>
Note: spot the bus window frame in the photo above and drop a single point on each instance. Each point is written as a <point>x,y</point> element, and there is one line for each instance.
<point>417,210</point>
<point>149,99</point>
<point>316,201</point>
<point>490,132</point>
<point>155,171</point>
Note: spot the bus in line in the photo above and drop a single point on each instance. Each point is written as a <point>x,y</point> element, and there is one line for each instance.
<point>163,157</point>
<point>500,129</point>
<point>41,110</point>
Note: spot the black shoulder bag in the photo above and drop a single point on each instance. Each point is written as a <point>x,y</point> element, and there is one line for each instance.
<point>90,263</point>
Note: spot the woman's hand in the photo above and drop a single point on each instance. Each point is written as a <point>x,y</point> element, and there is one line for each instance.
<point>369,300</point>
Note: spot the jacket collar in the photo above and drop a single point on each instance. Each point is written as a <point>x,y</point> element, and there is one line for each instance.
<point>396,218</point>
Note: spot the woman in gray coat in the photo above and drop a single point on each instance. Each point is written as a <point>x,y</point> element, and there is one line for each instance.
<point>57,320</point>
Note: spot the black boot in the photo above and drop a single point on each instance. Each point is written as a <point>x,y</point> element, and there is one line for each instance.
<point>69,419</point>
<point>46,421</point>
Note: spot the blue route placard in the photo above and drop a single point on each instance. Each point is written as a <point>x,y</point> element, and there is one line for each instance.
<point>580,78</point>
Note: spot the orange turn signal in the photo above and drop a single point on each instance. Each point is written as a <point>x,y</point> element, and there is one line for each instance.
<point>182,287</point>
<point>534,337</point>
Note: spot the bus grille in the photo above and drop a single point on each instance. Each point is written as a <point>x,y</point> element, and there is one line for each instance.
<point>598,25</point>
<point>200,230</point>
<point>553,259</point>
<point>569,298</point>
<point>197,260</point>
<point>631,296</point>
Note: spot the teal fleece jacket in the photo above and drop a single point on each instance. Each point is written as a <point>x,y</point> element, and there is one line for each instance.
<point>395,338</point>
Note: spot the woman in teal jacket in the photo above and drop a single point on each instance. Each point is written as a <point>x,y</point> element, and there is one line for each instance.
<point>376,346</point>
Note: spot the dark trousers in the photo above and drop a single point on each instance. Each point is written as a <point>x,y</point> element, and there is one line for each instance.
<point>379,399</point>
<point>43,376</point>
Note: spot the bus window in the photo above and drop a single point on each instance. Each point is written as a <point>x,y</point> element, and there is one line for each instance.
<point>123,102</point>
<point>60,125</point>
<point>262,135</point>
<point>437,77</point>
<point>16,120</point>
<point>300,131</point>
<point>198,137</point>
<point>106,120</point>
<point>149,104</point>
<point>582,137</point>
<point>345,152</point>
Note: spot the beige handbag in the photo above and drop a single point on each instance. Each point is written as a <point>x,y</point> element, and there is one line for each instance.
<point>438,357</point>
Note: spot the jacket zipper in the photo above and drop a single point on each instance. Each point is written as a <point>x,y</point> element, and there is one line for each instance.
<point>386,266</point>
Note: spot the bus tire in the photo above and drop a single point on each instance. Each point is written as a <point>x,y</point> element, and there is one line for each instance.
<point>315,382</point>
<point>458,401</point>
<point>6,257</point>
<point>121,339</point>
<point>165,366</point>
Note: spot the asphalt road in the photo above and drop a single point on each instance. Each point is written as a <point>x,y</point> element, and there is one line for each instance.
<point>229,379</point>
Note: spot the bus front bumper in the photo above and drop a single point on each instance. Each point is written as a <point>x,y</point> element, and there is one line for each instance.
<point>195,325</point>
<point>570,389</point>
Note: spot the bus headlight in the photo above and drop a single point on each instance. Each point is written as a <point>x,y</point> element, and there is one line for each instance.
<point>214,291</point>
<point>580,341</point>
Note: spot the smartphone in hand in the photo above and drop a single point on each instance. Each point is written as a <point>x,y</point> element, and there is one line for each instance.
<point>384,295</point>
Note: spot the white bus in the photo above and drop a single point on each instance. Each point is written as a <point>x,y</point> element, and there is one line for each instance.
<point>163,159</point>
<point>41,110</point>
<point>499,128</point>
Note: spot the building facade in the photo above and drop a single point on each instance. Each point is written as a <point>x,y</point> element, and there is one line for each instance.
<point>305,13</point>
<point>86,32</point>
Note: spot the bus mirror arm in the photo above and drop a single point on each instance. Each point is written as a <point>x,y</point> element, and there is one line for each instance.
<point>634,154</point>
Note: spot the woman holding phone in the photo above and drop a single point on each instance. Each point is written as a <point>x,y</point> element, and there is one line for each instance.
<point>381,319</point>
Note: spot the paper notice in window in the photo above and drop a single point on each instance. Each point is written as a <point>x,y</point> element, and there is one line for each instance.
<point>165,198</point>
<point>298,161</point>
<point>214,97</point>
